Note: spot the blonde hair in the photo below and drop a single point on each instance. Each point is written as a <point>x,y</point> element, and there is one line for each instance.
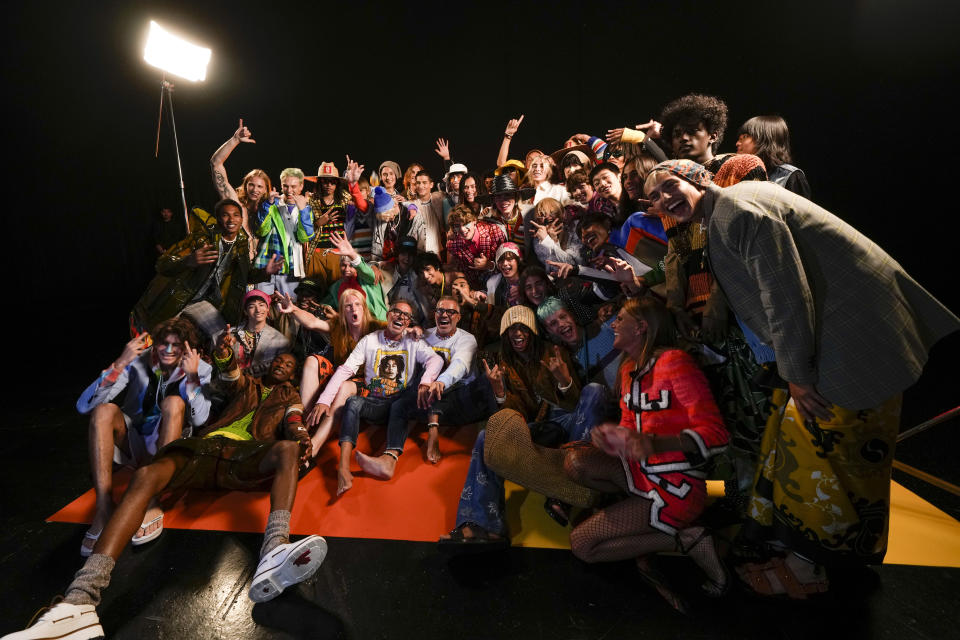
<point>291,172</point>
<point>547,162</point>
<point>340,338</point>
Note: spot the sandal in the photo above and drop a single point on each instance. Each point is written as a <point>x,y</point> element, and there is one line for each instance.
<point>139,539</point>
<point>481,540</point>
<point>89,542</point>
<point>757,577</point>
<point>715,586</point>
<point>558,510</point>
<point>655,579</point>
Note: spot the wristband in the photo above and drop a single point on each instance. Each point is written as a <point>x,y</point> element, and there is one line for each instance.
<point>566,388</point>
<point>508,135</point>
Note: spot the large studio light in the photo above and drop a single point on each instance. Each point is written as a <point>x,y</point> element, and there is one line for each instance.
<point>175,55</point>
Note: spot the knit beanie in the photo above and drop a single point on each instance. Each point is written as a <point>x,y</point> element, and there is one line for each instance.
<point>382,201</point>
<point>518,314</point>
<point>396,170</point>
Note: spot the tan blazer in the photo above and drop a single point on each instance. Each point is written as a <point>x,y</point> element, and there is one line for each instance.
<point>838,311</point>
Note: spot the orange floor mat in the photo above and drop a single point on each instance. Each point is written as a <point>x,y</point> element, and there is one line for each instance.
<point>420,502</point>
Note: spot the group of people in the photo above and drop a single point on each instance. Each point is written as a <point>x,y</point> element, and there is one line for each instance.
<point>623,318</point>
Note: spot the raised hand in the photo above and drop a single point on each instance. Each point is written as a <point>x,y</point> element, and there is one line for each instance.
<point>202,256</point>
<point>275,265</point>
<point>274,196</point>
<point>512,126</point>
<point>621,269</point>
<point>353,172</point>
<point>443,149</point>
<point>614,135</point>
<point>652,128</point>
<point>190,362</point>
<point>226,342</point>
<point>562,269</point>
<point>131,351</point>
<point>557,367</point>
<point>342,245</point>
<point>495,376</point>
<point>242,134</point>
<point>284,303</point>
<point>539,230</point>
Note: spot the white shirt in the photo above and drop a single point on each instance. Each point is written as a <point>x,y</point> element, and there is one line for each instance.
<point>457,352</point>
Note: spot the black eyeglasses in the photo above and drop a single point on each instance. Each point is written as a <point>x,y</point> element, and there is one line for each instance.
<point>447,312</point>
<point>402,314</point>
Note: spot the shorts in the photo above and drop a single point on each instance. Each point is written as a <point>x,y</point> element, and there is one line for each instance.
<point>220,463</point>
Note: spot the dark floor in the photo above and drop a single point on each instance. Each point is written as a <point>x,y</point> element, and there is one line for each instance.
<point>192,584</point>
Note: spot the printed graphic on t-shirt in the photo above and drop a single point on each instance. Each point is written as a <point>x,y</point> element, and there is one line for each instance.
<point>391,375</point>
<point>443,352</point>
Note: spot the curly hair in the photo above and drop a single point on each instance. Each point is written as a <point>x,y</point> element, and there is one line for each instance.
<point>182,328</point>
<point>693,109</point>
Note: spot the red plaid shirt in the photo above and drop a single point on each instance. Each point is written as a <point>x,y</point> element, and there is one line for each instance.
<point>486,239</point>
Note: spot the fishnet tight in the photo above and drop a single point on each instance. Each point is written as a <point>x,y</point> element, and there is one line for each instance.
<point>622,531</point>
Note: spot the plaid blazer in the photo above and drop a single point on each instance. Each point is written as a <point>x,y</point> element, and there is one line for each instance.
<point>838,311</point>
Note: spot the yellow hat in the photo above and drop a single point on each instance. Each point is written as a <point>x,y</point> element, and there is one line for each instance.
<point>518,314</point>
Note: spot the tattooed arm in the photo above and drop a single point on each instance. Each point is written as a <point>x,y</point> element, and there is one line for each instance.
<point>220,181</point>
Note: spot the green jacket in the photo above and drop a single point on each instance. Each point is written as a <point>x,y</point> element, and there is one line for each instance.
<point>176,284</point>
<point>376,301</point>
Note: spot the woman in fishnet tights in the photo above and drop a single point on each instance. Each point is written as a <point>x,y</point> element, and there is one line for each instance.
<point>670,426</point>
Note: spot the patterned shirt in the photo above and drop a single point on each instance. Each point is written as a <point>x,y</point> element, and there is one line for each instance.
<point>486,239</point>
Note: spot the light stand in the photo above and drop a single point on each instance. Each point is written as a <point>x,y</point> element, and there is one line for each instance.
<point>166,87</point>
<point>173,54</point>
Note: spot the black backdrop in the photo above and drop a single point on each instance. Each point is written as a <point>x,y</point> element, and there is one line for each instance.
<point>866,87</point>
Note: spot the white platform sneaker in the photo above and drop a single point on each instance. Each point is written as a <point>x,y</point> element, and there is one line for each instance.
<point>63,622</point>
<point>286,565</point>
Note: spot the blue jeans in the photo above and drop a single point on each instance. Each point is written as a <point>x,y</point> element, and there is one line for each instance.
<point>482,498</point>
<point>460,404</point>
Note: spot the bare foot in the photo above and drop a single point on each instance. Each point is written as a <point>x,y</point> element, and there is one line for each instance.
<point>433,445</point>
<point>344,480</point>
<point>381,468</point>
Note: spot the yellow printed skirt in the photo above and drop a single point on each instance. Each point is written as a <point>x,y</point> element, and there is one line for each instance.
<point>823,487</point>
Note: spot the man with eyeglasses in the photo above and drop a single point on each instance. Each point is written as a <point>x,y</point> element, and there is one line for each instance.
<point>376,400</point>
<point>458,395</point>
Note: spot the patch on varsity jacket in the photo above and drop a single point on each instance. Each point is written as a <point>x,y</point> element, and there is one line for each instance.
<point>646,404</point>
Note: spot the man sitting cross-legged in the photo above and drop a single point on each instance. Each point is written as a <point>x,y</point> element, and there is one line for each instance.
<point>239,452</point>
<point>458,396</point>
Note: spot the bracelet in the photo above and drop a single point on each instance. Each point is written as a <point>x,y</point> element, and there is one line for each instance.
<point>499,399</point>
<point>508,135</point>
<point>566,388</point>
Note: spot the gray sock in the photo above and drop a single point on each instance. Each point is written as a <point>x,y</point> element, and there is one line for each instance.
<point>277,531</point>
<point>93,577</point>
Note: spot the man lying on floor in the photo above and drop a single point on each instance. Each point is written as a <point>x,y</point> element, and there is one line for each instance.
<point>240,452</point>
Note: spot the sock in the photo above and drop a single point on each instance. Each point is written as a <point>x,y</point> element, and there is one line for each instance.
<point>93,577</point>
<point>277,531</point>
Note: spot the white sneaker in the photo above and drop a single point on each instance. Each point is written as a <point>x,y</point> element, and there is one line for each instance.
<point>64,622</point>
<point>286,565</point>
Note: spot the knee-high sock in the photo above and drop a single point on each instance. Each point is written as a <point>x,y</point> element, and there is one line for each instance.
<point>93,577</point>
